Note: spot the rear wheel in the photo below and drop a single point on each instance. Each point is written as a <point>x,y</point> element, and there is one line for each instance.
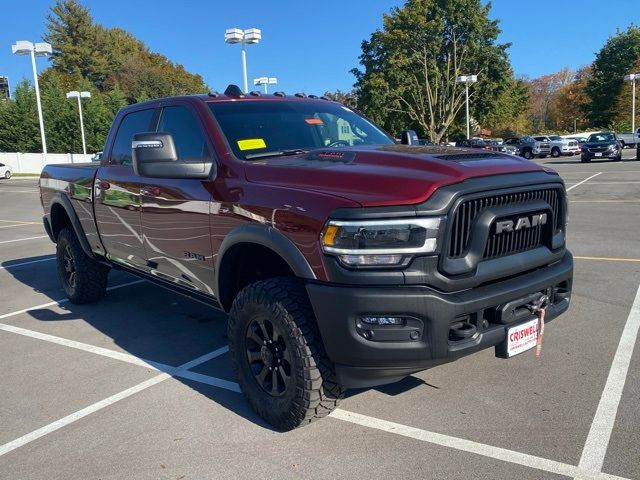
<point>7,174</point>
<point>278,356</point>
<point>83,279</point>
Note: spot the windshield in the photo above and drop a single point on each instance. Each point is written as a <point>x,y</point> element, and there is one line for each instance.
<point>253,128</point>
<point>601,137</point>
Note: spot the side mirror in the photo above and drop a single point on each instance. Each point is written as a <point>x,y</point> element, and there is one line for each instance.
<point>408,137</point>
<point>154,155</point>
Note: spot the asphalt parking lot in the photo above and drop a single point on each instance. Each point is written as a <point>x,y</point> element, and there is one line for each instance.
<point>139,386</point>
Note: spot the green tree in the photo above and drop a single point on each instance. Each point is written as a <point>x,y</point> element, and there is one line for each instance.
<point>348,99</point>
<point>508,115</point>
<point>71,32</point>
<point>616,58</point>
<point>19,128</point>
<point>409,67</point>
<point>112,57</point>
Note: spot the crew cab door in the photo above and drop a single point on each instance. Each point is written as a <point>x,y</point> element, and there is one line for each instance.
<point>175,212</point>
<point>117,194</point>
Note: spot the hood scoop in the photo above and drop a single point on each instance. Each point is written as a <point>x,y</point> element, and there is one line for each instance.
<point>464,157</point>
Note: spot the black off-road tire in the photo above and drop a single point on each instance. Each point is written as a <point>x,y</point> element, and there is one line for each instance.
<point>312,391</point>
<point>82,278</point>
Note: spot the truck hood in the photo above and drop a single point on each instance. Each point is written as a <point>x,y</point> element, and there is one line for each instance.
<point>384,174</point>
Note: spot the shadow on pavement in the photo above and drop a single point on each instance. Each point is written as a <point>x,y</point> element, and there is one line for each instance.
<point>154,324</point>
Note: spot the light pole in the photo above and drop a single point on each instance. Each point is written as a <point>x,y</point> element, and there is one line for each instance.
<point>79,95</point>
<point>249,36</point>
<point>632,77</point>
<point>265,81</point>
<point>467,79</point>
<point>23,47</point>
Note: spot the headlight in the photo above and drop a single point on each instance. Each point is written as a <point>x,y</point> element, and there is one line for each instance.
<point>613,147</point>
<point>380,242</point>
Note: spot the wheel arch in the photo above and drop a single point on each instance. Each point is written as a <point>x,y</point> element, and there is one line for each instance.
<point>61,215</point>
<point>273,254</point>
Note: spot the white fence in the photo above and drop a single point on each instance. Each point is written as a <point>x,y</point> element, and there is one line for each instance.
<point>34,162</point>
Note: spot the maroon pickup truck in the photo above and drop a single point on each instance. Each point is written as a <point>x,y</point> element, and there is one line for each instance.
<point>343,259</point>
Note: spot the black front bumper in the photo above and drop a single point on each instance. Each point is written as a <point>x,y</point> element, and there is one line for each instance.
<point>367,356</point>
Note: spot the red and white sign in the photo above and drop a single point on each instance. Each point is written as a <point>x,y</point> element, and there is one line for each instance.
<point>522,337</point>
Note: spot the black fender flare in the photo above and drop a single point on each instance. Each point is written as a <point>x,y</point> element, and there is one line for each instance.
<point>60,199</point>
<point>269,237</point>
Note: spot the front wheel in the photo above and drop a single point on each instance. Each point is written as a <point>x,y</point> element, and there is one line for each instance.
<point>7,174</point>
<point>83,279</point>
<point>278,356</point>
<point>527,154</point>
<point>585,159</point>
<point>555,153</point>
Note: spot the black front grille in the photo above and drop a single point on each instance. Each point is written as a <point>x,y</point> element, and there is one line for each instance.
<point>507,242</point>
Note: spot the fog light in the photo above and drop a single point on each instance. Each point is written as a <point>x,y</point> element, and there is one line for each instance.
<point>382,320</point>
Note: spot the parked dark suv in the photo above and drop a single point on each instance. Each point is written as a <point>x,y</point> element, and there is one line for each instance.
<point>602,145</point>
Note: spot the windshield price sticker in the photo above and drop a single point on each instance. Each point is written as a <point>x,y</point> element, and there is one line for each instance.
<point>251,144</point>
<point>522,337</point>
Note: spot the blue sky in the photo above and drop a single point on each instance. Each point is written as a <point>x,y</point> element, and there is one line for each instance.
<point>311,46</point>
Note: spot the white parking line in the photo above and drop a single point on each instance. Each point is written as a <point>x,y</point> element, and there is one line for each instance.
<point>15,265</point>
<point>595,448</point>
<point>8,190</point>
<point>104,352</point>
<point>583,181</point>
<point>62,300</point>
<point>116,355</point>
<point>74,417</point>
<point>469,446</point>
<point>22,239</point>
<point>19,225</point>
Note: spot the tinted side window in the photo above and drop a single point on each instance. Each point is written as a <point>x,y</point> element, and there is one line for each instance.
<point>187,135</point>
<point>135,122</point>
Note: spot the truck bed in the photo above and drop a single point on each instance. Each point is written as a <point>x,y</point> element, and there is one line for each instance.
<point>75,182</point>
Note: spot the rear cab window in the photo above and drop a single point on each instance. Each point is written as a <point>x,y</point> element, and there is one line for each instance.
<point>132,123</point>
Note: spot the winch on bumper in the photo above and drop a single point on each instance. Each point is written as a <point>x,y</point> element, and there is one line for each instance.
<point>379,334</point>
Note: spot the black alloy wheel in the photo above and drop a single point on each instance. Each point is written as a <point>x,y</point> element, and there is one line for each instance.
<point>269,356</point>
<point>69,264</point>
<point>83,279</point>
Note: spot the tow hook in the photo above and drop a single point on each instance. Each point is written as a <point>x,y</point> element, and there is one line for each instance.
<point>538,309</point>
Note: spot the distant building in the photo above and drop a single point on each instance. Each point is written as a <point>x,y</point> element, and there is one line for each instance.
<point>5,91</point>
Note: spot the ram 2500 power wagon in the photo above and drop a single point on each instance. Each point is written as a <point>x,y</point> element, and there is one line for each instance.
<point>342,258</point>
